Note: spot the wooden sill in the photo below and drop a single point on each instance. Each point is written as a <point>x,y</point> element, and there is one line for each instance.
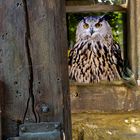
<point>104,97</point>
<point>102,83</point>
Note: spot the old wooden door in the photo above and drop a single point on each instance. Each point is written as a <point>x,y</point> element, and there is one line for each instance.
<point>33,58</point>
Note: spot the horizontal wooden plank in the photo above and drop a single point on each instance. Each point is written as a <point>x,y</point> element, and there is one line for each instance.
<point>94,8</point>
<point>104,83</point>
<point>113,97</point>
<point>78,2</point>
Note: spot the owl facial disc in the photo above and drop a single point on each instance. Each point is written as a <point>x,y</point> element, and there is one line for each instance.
<point>89,27</point>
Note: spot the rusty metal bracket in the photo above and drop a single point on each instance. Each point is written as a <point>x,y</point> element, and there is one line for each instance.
<point>39,131</point>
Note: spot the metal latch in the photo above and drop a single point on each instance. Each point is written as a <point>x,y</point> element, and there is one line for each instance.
<point>39,131</point>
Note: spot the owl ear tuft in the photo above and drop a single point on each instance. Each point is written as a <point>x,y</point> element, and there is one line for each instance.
<point>105,17</point>
<point>79,18</point>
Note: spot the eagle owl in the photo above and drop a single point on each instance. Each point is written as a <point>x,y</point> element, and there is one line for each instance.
<point>96,55</point>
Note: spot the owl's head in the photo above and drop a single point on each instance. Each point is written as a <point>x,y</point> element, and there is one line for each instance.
<point>90,27</point>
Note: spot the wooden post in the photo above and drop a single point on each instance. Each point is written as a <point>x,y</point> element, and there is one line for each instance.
<point>48,46</point>
<point>14,64</point>
<point>1,95</point>
<point>132,46</point>
<point>138,38</point>
<point>134,37</point>
<point>0,122</point>
<point>1,106</point>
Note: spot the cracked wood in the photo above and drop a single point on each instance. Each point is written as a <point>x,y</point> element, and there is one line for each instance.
<point>30,64</point>
<point>14,65</point>
<point>34,57</point>
<point>49,56</point>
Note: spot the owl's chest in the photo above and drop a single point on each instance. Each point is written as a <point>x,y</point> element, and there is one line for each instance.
<point>93,54</point>
<point>93,62</point>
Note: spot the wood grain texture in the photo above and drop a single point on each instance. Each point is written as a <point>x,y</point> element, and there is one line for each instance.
<point>33,58</point>
<point>48,48</point>
<point>94,8</point>
<point>1,106</point>
<point>14,65</point>
<point>138,36</point>
<point>109,97</point>
<point>131,36</point>
<point>82,2</point>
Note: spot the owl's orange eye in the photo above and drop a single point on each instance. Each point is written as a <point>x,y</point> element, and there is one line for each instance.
<point>86,26</point>
<point>98,25</point>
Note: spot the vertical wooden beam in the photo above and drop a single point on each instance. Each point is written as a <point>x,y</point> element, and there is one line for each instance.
<point>0,122</point>
<point>132,35</point>
<point>13,65</point>
<point>48,46</point>
<point>34,62</point>
<point>138,38</point>
<point>1,97</point>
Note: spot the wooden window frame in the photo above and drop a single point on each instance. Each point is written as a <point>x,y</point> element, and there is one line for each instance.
<point>131,8</point>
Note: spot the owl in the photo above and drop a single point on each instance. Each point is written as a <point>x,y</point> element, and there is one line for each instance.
<point>96,56</point>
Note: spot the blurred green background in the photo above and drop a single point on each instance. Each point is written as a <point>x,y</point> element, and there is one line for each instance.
<point>112,2</point>
<point>117,22</point>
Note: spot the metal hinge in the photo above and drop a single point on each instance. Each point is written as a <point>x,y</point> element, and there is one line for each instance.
<point>39,131</point>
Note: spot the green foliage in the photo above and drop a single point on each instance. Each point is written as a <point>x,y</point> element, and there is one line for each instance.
<point>115,2</point>
<point>116,22</point>
<point>112,2</point>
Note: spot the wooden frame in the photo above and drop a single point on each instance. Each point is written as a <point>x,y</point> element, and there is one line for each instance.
<point>131,8</point>
<point>113,97</point>
<point>28,41</point>
<point>134,37</point>
<point>133,25</point>
<point>137,17</point>
<point>94,8</point>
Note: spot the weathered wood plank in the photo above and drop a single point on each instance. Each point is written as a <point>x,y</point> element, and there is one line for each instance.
<point>13,64</point>
<point>0,123</point>
<point>94,8</point>
<point>103,97</point>
<point>138,38</point>
<point>82,2</point>
<point>34,63</point>
<point>131,41</point>
<point>48,46</point>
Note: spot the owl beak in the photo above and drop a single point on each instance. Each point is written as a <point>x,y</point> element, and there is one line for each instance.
<point>91,31</point>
